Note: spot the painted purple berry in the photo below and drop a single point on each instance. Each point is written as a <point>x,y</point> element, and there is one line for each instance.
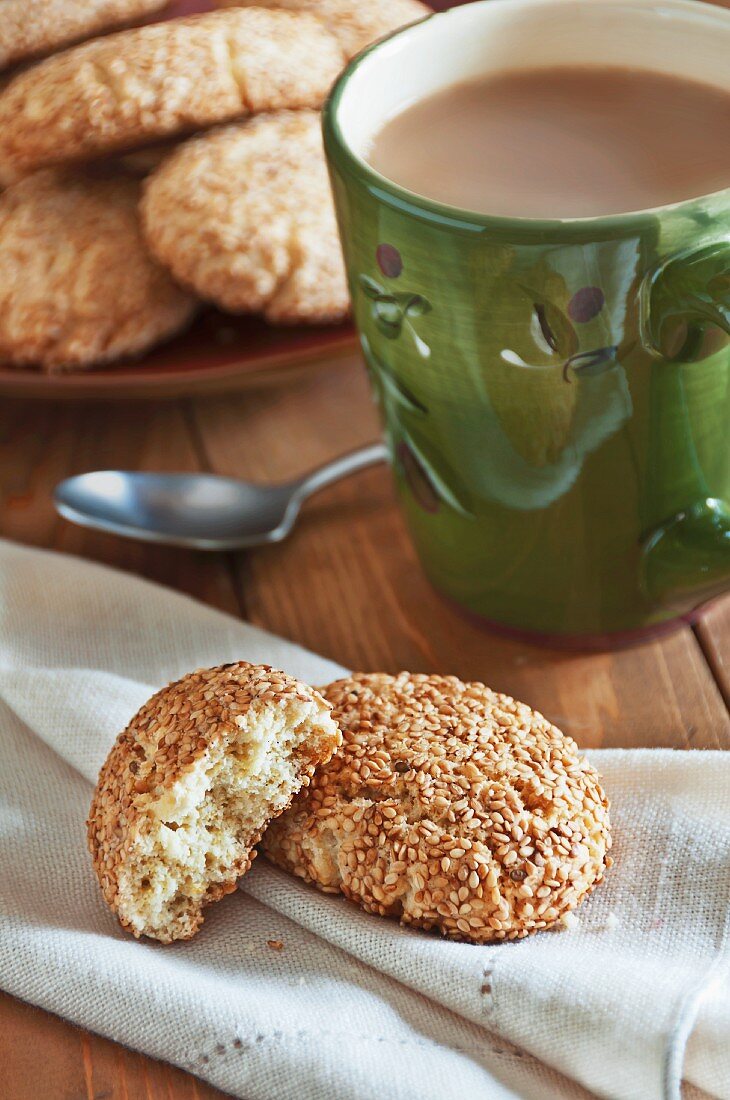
<point>389,260</point>
<point>586,304</point>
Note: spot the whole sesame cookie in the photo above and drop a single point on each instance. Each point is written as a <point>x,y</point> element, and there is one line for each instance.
<point>191,783</point>
<point>449,807</point>
<point>29,28</point>
<point>355,23</point>
<point>243,215</point>
<point>78,287</point>
<point>153,82</point>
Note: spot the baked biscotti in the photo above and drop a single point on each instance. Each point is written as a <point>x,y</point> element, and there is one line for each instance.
<point>30,28</point>
<point>243,216</point>
<point>449,807</point>
<point>355,23</point>
<point>190,785</point>
<point>78,286</point>
<point>154,82</point>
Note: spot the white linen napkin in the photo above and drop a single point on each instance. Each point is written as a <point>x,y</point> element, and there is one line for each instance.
<point>625,1005</point>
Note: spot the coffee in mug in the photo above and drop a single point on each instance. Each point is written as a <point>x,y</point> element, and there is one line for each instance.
<point>568,141</point>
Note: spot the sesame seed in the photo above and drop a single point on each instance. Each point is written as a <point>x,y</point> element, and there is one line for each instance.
<point>177,729</point>
<point>464,802</point>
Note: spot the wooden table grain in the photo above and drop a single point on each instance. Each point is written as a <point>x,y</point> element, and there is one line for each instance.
<point>346,584</point>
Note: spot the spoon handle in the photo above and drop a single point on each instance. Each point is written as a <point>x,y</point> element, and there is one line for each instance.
<point>341,467</point>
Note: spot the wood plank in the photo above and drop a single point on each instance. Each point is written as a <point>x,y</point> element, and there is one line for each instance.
<point>36,451</point>
<point>41,443</point>
<point>77,1064</point>
<point>348,584</point>
<point>713,632</point>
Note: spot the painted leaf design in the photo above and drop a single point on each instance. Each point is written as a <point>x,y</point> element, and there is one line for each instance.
<point>558,332</point>
<point>390,330</point>
<point>417,479</point>
<point>560,326</point>
<point>370,287</point>
<point>416,305</point>
<point>393,387</point>
<point>444,479</point>
<point>402,395</point>
<point>547,333</point>
<point>388,317</point>
<point>388,309</point>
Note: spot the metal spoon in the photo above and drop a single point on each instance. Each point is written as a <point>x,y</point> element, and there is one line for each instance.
<point>201,511</point>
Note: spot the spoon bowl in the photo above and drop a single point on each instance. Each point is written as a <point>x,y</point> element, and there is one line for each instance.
<point>199,511</point>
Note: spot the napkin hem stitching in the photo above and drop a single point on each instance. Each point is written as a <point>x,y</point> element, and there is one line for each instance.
<point>240,1045</point>
<point>487,988</point>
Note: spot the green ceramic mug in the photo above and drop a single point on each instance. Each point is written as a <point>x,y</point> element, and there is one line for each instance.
<point>555,394</point>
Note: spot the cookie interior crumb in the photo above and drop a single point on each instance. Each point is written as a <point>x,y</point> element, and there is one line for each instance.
<point>201,826</point>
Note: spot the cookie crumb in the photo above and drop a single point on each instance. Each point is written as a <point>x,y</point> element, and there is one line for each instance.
<point>612,922</point>
<point>275,945</point>
<point>569,922</point>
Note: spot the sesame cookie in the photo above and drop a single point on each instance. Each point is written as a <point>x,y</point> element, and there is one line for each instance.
<point>355,23</point>
<point>449,807</point>
<point>191,783</point>
<point>244,216</point>
<point>77,284</point>
<point>153,82</point>
<point>30,28</point>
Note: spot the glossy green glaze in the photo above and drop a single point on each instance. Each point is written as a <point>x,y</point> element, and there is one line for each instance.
<point>556,397</point>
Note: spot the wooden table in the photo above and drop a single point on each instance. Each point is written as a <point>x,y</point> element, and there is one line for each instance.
<point>346,584</point>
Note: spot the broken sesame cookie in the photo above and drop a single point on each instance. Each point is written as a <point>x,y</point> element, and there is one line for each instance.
<point>143,85</point>
<point>190,785</point>
<point>449,807</point>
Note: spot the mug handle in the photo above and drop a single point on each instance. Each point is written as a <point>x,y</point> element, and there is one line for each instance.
<point>693,287</point>
<point>686,558</point>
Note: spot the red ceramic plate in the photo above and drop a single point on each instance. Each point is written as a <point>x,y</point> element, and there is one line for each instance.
<point>219,352</point>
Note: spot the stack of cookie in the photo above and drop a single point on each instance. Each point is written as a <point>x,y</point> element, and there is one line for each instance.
<point>423,798</point>
<point>119,215</point>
